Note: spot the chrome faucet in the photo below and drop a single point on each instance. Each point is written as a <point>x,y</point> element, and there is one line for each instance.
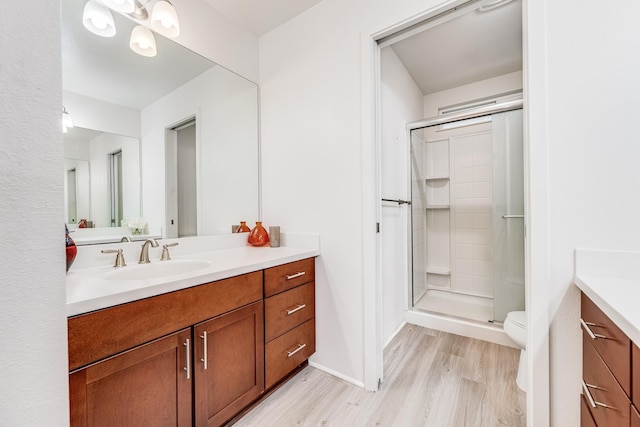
<point>144,253</point>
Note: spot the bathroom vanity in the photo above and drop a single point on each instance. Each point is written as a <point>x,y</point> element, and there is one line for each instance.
<point>200,354</point>
<point>610,325</point>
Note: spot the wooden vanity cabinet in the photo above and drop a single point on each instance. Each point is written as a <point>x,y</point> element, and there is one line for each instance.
<point>289,318</point>
<point>194,357</point>
<point>606,370</point>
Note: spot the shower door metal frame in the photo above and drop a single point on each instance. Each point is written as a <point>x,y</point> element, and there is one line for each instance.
<point>487,110</point>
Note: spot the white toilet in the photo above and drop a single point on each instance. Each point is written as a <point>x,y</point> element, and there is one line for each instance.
<point>515,325</point>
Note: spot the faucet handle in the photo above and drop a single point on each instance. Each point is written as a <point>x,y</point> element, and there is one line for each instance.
<point>119,262</point>
<point>165,251</point>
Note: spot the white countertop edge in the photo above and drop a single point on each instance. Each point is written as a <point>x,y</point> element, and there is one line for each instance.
<point>274,257</point>
<point>615,298</point>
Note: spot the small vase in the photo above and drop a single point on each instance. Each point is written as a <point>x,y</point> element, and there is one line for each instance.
<point>72,250</point>
<point>244,228</point>
<point>258,236</point>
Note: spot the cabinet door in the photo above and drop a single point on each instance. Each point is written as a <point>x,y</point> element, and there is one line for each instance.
<point>147,385</point>
<point>229,364</point>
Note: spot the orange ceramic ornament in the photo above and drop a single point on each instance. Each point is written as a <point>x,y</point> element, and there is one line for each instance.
<point>258,236</point>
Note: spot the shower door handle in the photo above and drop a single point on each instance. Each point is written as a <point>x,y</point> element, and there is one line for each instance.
<point>400,202</point>
<point>512,216</point>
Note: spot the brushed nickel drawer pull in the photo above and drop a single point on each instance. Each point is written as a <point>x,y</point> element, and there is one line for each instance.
<point>293,276</point>
<point>298,308</point>
<point>300,347</point>
<point>594,404</point>
<point>188,367</point>
<point>587,392</point>
<point>589,332</point>
<point>204,349</point>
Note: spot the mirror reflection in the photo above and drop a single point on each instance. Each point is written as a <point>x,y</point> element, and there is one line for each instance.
<point>189,125</point>
<point>106,166</point>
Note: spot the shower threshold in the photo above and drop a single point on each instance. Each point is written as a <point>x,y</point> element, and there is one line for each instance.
<point>468,307</point>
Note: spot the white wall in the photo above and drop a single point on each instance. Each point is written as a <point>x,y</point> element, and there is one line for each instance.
<point>401,102</point>
<point>32,255</point>
<point>470,92</point>
<point>593,99</point>
<point>226,140</point>
<point>316,101</point>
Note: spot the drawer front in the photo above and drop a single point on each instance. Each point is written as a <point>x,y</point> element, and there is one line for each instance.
<point>615,349</point>
<point>635,417</point>
<point>289,309</point>
<point>586,419</point>
<point>287,276</point>
<point>605,390</point>
<point>288,351</point>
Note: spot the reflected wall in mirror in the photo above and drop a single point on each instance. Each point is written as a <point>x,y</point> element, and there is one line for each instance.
<point>110,89</point>
<point>102,177</point>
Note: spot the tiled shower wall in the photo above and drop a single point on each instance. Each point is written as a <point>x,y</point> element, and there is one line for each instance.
<point>471,208</point>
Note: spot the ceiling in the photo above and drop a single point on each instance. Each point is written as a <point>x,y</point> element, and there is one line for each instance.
<point>474,46</point>
<point>261,16</point>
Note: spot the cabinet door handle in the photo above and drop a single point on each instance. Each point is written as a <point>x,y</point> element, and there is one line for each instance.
<point>300,347</point>
<point>187,346</point>
<point>204,349</point>
<point>587,329</point>
<point>298,308</point>
<point>298,274</point>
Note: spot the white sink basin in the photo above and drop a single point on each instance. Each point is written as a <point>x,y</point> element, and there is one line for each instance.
<point>157,269</point>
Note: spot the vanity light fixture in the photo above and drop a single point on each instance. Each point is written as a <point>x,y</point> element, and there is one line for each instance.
<point>122,6</point>
<point>163,18</point>
<point>142,41</point>
<point>98,19</point>
<point>67,122</point>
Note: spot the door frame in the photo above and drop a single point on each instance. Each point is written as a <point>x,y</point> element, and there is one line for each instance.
<point>535,123</point>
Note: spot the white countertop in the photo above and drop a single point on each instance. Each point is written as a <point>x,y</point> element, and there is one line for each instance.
<point>611,279</point>
<point>89,290</point>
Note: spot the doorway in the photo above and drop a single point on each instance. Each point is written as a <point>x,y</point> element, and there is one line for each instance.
<point>182,185</point>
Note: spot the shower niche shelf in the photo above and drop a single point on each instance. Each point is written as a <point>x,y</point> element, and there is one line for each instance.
<point>438,206</point>
<point>436,178</point>
<point>440,271</point>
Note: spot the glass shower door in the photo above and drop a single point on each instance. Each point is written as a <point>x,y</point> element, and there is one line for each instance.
<point>508,214</point>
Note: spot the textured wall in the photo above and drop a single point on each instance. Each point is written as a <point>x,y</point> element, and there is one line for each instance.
<point>33,378</point>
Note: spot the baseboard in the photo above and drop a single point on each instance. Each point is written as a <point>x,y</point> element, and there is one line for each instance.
<point>466,328</point>
<point>393,335</point>
<point>337,374</point>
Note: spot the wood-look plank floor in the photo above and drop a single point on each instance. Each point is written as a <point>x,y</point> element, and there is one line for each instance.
<point>432,378</point>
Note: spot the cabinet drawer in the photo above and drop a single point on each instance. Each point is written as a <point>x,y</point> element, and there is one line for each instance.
<point>288,351</point>
<point>287,310</point>
<point>604,389</point>
<point>586,419</point>
<point>287,276</point>
<point>615,349</point>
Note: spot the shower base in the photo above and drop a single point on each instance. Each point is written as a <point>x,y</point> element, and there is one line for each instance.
<point>459,305</point>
